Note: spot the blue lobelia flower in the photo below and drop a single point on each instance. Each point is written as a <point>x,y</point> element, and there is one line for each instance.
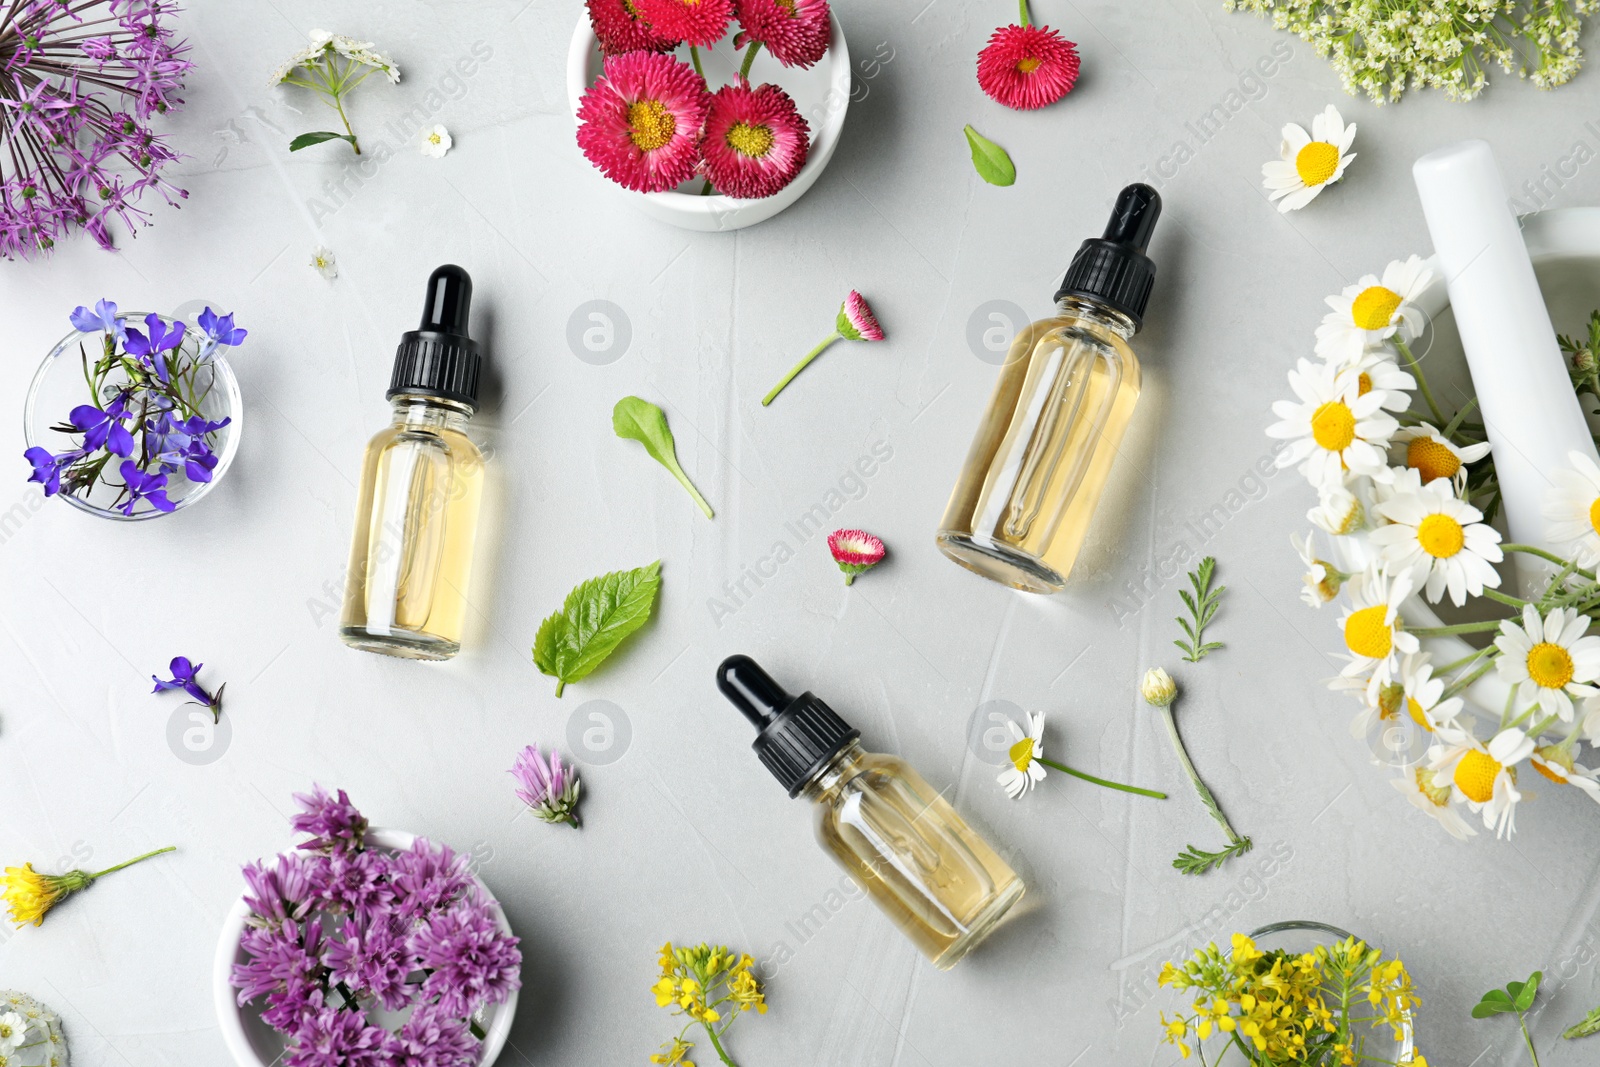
<point>103,317</point>
<point>150,348</point>
<point>184,677</point>
<point>103,428</point>
<point>47,468</point>
<point>220,328</point>
<point>143,486</point>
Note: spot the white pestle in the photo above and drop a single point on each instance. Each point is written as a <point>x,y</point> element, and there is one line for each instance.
<point>1518,373</point>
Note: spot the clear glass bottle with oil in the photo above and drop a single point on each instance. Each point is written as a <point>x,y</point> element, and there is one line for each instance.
<point>421,485</point>
<point>941,884</point>
<point>1044,450</point>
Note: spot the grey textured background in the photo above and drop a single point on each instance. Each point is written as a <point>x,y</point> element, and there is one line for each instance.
<point>686,837</point>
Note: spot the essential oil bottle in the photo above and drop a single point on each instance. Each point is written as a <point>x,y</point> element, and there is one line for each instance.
<point>941,883</point>
<point>1043,452</point>
<point>411,553</point>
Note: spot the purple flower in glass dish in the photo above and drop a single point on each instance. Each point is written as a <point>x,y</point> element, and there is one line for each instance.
<point>144,486</point>
<point>332,821</point>
<point>469,959</point>
<point>103,317</point>
<point>152,348</point>
<point>221,329</point>
<point>47,468</point>
<point>550,789</point>
<point>184,676</point>
<point>102,428</point>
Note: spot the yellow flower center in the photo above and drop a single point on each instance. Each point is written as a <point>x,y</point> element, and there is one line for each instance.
<point>1022,754</point>
<point>1029,65</point>
<point>1364,384</point>
<point>1417,715</point>
<point>1333,426</point>
<point>434,138</point>
<point>748,140</point>
<point>1432,458</point>
<point>1430,787</point>
<point>1549,665</point>
<point>1368,633</point>
<point>1594,514</point>
<point>1374,308</point>
<point>1548,773</point>
<point>1316,162</point>
<point>650,125</point>
<point>1440,536</point>
<point>1475,775</point>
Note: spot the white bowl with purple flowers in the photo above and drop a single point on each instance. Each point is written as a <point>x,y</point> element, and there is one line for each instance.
<point>375,945</point>
<point>133,416</point>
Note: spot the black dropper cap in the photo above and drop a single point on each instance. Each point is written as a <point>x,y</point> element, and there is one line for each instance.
<point>799,735</point>
<point>1113,270</point>
<point>438,358</point>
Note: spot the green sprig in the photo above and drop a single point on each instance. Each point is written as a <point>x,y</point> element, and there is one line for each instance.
<point>1195,861</point>
<point>1515,999</point>
<point>1202,605</point>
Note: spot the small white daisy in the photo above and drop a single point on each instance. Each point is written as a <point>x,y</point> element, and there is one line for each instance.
<point>1338,511</point>
<point>323,260</point>
<point>435,142</point>
<point>1376,369</point>
<point>1025,770</point>
<point>1555,762</point>
<point>1322,579</point>
<point>1332,429</point>
<point>1572,509</point>
<point>1310,161</point>
<point>1483,775</point>
<point>1549,660</point>
<point>1443,541</point>
<point>1422,788</point>
<point>1373,310</point>
<point>1422,693</point>
<point>1424,449</point>
<point>1372,628</point>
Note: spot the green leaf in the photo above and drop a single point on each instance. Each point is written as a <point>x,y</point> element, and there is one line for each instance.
<point>593,621</point>
<point>1587,1026</point>
<point>306,140</point>
<point>639,420</point>
<point>1202,606</point>
<point>1523,996</point>
<point>1194,861</point>
<point>990,160</point>
<point>1494,1002</point>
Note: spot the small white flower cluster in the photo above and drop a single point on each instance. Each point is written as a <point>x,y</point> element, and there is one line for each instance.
<point>324,44</point>
<point>1382,47</point>
<point>1396,506</point>
<point>30,1033</point>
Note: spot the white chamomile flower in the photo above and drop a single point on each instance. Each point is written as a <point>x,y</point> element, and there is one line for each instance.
<point>1375,370</point>
<point>1555,762</point>
<point>1443,541</point>
<point>1373,633</point>
<point>1549,660</point>
<point>1332,429</point>
<point>1422,787</point>
<point>323,260</point>
<point>1310,161</point>
<point>1373,310</point>
<point>1572,509</point>
<point>1401,482</point>
<point>1338,511</point>
<point>1025,770</point>
<point>13,1029</point>
<point>1483,775</point>
<point>1322,579</point>
<point>1423,696</point>
<point>1424,449</point>
<point>436,142</point>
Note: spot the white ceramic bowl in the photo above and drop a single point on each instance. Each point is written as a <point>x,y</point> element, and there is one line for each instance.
<point>822,94</point>
<point>255,1044</point>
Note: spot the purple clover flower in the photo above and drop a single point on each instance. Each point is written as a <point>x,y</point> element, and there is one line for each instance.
<point>221,329</point>
<point>470,960</point>
<point>332,821</point>
<point>144,486</point>
<point>184,677</point>
<point>550,789</point>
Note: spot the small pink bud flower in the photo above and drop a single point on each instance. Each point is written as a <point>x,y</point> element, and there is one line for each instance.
<point>855,322</point>
<point>855,551</point>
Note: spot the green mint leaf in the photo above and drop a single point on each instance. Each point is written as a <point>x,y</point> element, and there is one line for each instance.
<point>1587,1026</point>
<point>593,621</point>
<point>306,140</point>
<point>990,160</point>
<point>639,420</point>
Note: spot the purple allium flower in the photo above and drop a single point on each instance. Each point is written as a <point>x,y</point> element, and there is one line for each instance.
<point>337,1038</point>
<point>103,317</point>
<point>144,486</point>
<point>75,113</point>
<point>432,1039</point>
<point>472,962</point>
<point>358,882</point>
<point>151,349</point>
<point>369,956</point>
<point>47,468</point>
<point>427,877</point>
<point>102,428</point>
<point>284,967</point>
<point>332,821</point>
<point>549,789</point>
<point>221,329</point>
<point>281,892</point>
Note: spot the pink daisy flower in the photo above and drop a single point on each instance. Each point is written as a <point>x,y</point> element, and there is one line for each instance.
<point>698,22</point>
<point>855,551</point>
<point>855,322</point>
<point>1025,67</point>
<point>640,122</point>
<point>795,31</point>
<point>756,140</point>
<point>620,29</point>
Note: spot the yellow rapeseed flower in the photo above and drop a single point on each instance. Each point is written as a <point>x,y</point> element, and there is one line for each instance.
<point>673,1053</point>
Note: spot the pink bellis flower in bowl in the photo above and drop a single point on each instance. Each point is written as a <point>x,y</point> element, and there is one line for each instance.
<point>713,114</point>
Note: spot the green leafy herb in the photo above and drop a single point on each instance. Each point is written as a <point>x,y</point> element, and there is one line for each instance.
<point>593,621</point>
<point>990,160</point>
<point>1202,605</point>
<point>1193,861</point>
<point>1587,1026</point>
<point>1515,999</point>
<point>306,140</point>
<point>639,420</point>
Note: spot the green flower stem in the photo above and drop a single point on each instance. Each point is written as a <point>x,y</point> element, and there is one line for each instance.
<point>694,57</point>
<point>339,107</point>
<point>722,1053</point>
<point>1101,781</point>
<point>1456,665</point>
<point>1422,381</point>
<point>136,859</point>
<point>1022,6</point>
<point>798,367</point>
<point>1194,777</point>
<point>1522,1021</point>
<point>1534,550</point>
<point>1461,684</point>
<point>1455,423</point>
<point>1505,598</point>
<point>749,58</point>
<point>1459,628</point>
<point>707,189</point>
